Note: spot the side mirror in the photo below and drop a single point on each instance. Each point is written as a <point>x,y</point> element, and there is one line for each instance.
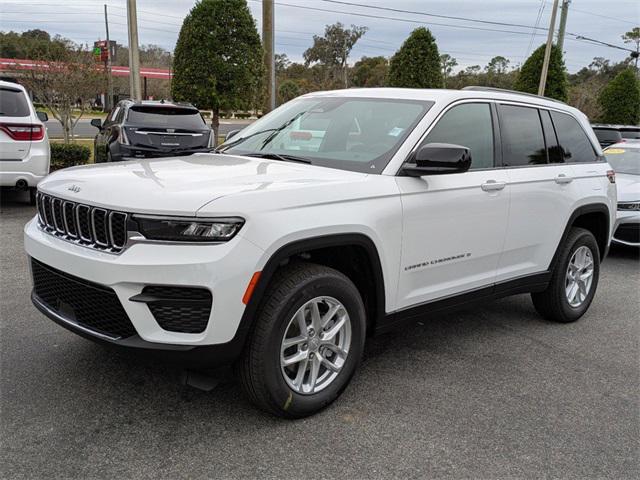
<point>42,116</point>
<point>96,122</point>
<point>438,159</point>
<point>232,134</point>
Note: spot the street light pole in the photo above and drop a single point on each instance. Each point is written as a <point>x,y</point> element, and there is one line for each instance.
<point>134,55</point>
<point>109,99</point>
<point>269,53</point>
<point>547,50</point>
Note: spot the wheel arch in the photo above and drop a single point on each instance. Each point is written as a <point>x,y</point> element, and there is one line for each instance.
<point>322,247</point>
<point>594,217</point>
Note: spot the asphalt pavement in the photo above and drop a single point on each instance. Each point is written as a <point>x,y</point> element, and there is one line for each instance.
<point>84,129</point>
<point>490,392</point>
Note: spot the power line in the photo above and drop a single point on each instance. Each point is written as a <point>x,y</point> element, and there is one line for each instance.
<point>533,32</point>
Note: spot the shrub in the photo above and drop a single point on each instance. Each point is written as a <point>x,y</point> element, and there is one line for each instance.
<point>65,155</point>
<point>620,99</point>
<point>417,63</point>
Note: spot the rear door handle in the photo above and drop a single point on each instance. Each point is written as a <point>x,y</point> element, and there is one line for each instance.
<point>492,186</point>
<point>562,179</point>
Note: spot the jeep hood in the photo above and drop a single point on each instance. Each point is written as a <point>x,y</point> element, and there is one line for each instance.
<point>182,185</point>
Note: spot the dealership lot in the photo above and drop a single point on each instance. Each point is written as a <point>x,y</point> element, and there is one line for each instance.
<point>493,391</point>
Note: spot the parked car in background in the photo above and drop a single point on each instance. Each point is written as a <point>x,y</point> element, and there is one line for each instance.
<point>624,158</point>
<point>610,134</point>
<point>24,145</point>
<point>149,129</point>
<point>284,251</point>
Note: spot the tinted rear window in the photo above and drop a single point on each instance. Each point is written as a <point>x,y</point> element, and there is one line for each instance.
<point>172,117</point>
<point>630,133</point>
<point>13,103</point>
<point>573,140</point>
<point>522,139</point>
<point>607,135</point>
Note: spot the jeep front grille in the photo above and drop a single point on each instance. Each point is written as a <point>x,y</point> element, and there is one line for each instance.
<point>85,225</point>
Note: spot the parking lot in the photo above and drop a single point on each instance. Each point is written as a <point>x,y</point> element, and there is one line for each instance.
<point>485,393</point>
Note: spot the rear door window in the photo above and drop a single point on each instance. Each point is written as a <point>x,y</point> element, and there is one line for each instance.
<point>469,125</point>
<point>522,137</point>
<point>13,103</point>
<point>163,117</point>
<point>574,142</point>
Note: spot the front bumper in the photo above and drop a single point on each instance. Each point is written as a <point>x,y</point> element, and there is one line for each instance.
<point>224,269</point>
<point>627,228</point>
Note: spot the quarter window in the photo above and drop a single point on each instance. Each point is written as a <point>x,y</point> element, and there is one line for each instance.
<point>575,144</point>
<point>522,138</point>
<point>468,125</point>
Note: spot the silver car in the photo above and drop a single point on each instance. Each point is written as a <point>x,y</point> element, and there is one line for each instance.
<point>625,160</point>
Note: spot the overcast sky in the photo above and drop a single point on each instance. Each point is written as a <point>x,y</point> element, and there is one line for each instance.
<point>160,20</point>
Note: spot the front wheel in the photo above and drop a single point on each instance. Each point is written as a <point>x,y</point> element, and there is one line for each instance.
<point>307,341</point>
<point>574,279</point>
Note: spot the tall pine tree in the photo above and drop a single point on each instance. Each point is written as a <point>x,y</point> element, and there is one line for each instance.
<point>218,58</point>
<point>417,63</point>
<point>557,85</point>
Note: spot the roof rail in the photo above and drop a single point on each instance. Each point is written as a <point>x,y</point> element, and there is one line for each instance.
<point>504,90</point>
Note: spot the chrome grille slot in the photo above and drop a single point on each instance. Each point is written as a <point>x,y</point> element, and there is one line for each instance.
<point>83,217</point>
<point>58,219</point>
<point>48,214</point>
<point>81,224</point>
<point>68,212</point>
<point>118,229</point>
<point>99,226</point>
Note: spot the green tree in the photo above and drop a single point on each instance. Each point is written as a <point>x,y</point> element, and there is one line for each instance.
<point>288,90</point>
<point>529,76</point>
<point>218,58</point>
<point>417,63</point>
<point>370,72</point>
<point>332,50</point>
<point>620,99</point>
<point>447,62</point>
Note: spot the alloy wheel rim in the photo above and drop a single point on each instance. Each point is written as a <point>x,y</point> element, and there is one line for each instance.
<point>315,345</point>
<point>579,277</point>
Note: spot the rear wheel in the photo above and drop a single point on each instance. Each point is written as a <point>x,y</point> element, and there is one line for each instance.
<point>32,195</point>
<point>574,279</point>
<point>307,341</point>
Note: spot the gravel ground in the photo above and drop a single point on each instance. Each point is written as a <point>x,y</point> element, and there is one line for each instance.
<point>493,392</point>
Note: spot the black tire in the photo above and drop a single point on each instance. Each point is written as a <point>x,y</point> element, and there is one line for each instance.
<point>32,195</point>
<point>552,303</point>
<point>259,368</point>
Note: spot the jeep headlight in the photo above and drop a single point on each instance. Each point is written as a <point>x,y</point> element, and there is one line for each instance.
<point>177,229</point>
<point>629,206</point>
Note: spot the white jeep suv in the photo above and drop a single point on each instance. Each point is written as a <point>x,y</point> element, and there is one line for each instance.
<point>336,216</point>
<point>24,146</point>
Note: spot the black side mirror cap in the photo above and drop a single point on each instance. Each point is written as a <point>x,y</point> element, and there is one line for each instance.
<point>96,122</point>
<point>438,159</point>
<point>42,116</point>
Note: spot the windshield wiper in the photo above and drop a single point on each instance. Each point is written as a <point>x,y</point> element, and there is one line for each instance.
<point>279,156</point>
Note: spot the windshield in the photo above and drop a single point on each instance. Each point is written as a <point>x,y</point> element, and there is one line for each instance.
<point>357,134</point>
<point>624,160</point>
<point>13,103</point>
<point>631,133</point>
<point>185,118</point>
<point>606,135</point>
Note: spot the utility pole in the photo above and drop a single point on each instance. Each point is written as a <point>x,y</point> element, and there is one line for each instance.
<point>109,99</point>
<point>547,50</point>
<point>563,23</point>
<point>269,53</point>
<point>134,55</point>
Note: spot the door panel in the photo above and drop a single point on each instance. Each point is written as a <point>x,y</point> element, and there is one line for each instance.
<point>542,193</point>
<point>453,233</point>
<point>454,225</point>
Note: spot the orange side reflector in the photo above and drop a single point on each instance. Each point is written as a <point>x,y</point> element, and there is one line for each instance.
<point>252,285</point>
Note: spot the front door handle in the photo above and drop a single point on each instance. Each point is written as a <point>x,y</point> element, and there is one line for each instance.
<point>562,179</point>
<point>492,186</point>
